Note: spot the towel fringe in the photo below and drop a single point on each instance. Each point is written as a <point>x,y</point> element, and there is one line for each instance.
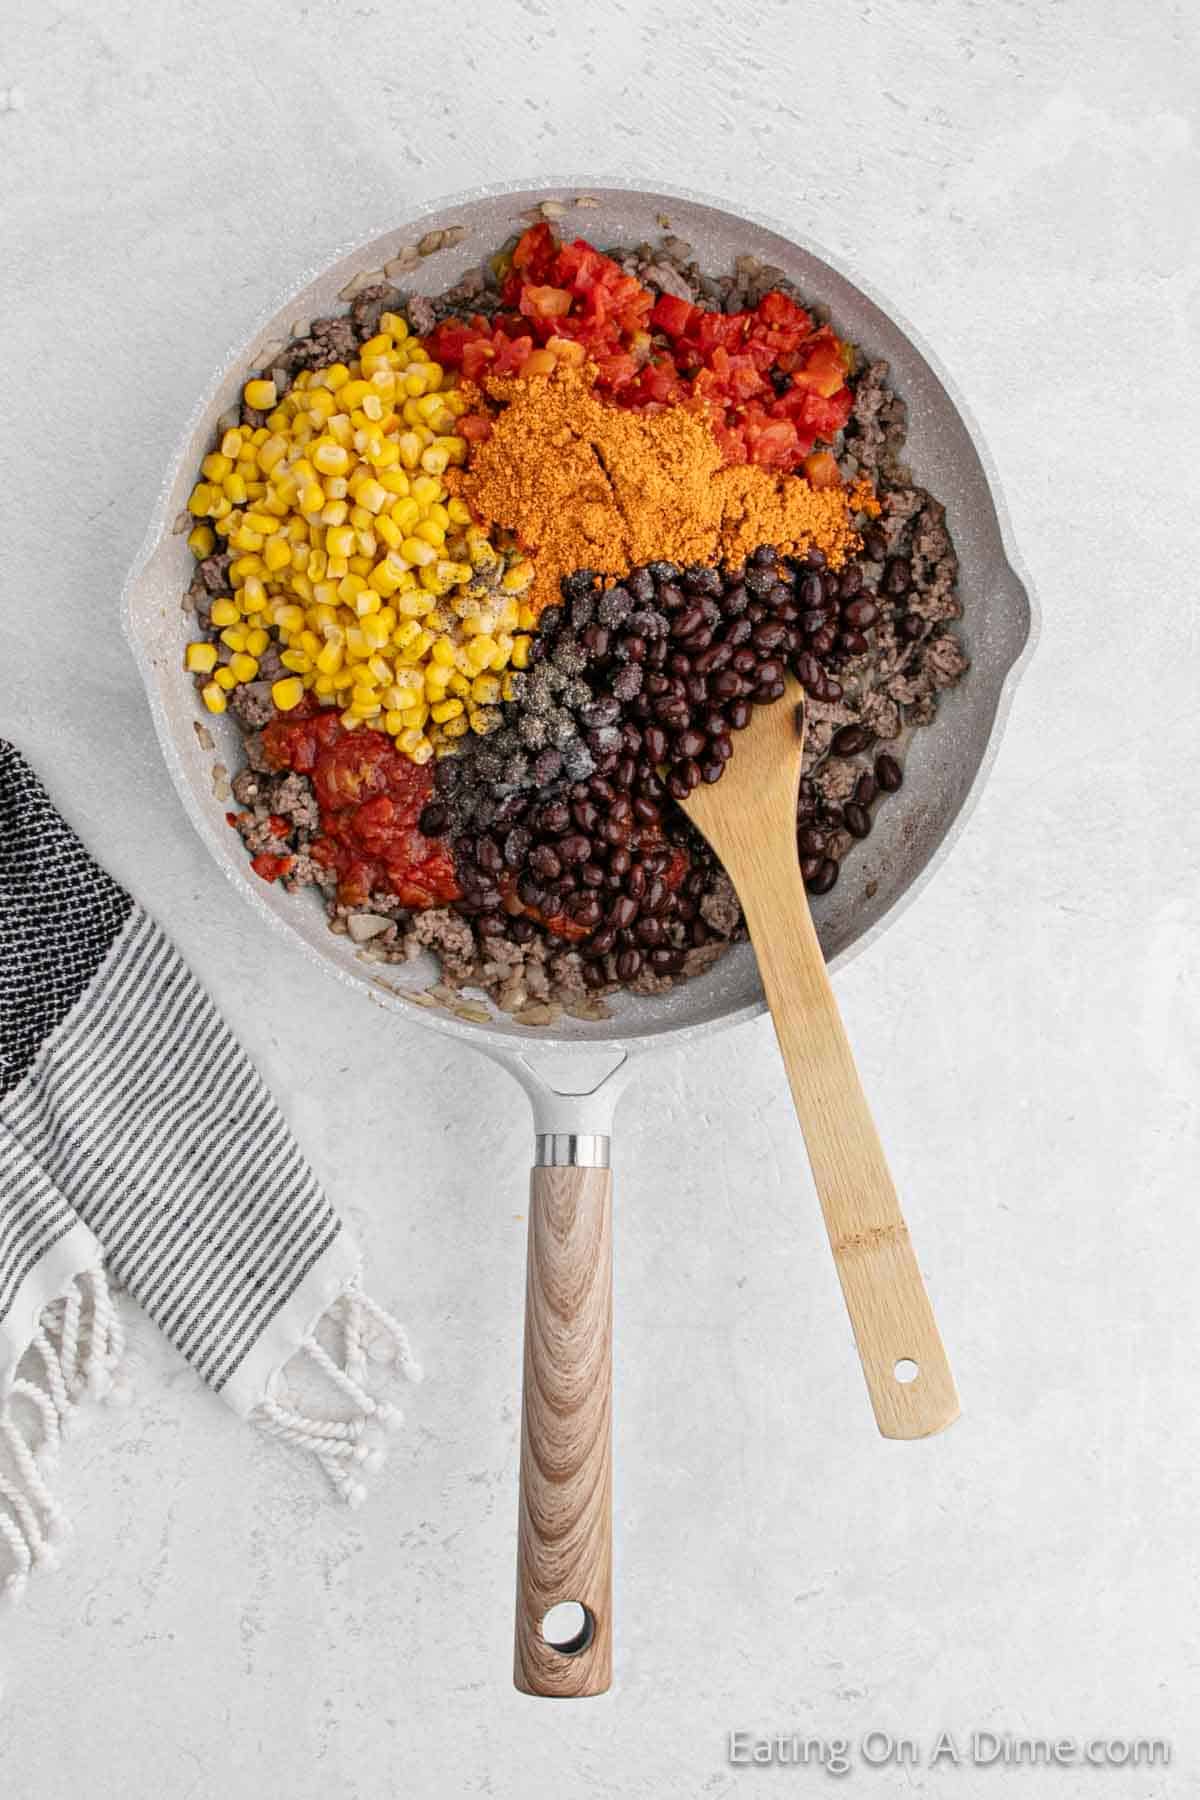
<point>345,1446</point>
<point>77,1350</point>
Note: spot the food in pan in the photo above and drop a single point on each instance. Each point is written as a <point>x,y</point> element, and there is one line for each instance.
<point>490,581</point>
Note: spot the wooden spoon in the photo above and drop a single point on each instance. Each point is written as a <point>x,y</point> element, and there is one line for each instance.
<point>749,818</point>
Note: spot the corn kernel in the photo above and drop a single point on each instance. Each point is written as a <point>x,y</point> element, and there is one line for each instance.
<point>202,541</point>
<point>245,667</point>
<point>260,395</point>
<point>213,698</point>
<point>225,677</point>
<point>287,693</point>
<point>200,659</point>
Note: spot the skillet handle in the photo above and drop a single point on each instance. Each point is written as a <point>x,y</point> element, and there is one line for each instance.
<point>564,1547</point>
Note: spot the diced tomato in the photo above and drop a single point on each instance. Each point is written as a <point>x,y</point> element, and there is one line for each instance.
<point>269,867</point>
<point>535,251</point>
<point>571,303</point>
<point>545,302</point>
<point>821,470</point>
<point>672,315</point>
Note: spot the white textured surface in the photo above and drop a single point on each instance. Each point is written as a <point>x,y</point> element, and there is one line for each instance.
<point>1021,179</point>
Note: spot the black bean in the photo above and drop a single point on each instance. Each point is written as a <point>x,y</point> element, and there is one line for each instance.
<point>623,911</point>
<point>809,867</point>
<point>824,878</point>
<point>522,930</point>
<point>911,626</point>
<point>516,846</point>
<point>586,815</point>
<point>725,685</point>
<point>738,713</point>
<point>645,810</point>
<point>689,619</point>
<point>810,591</point>
<point>865,789</point>
<point>898,578</point>
<point>857,818</point>
<point>769,635</point>
<point>632,648</point>
<point>648,931</point>
<point>629,964</point>
<point>544,863</point>
<point>671,597</point>
<point>489,855</point>
<point>529,893</point>
<point>554,818</point>
<point>711,771</point>
<point>635,881</point>
<point>592,875</point>
<point>690,743</point>
<point>584,909</point>
<point>888,773</point>
<point>720,746</point>
<point>604,711</point>
<point>875,545</point>
<point>575,849</point>
<point>619,862</point>
<point>712,659</point>
<point>434,819</point>
<point>601,942</point>
<point>850,740</point>
<point>665,962</point>
<point>737,598</point>
<point>860,614</point>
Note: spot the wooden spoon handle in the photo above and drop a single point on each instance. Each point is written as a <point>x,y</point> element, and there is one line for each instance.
<point>564,1548</point>
<point>889,1309</point>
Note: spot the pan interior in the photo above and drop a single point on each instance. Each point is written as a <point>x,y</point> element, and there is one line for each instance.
<point>941,764</point>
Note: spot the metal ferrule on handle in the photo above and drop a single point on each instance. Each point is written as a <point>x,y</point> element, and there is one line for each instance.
<point>571,1150</point>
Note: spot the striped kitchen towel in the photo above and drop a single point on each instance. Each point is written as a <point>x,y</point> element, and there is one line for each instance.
<point>138,1146</point>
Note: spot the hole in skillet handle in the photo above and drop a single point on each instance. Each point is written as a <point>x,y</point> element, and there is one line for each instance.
<point>906,1370</point>
<point>569,1627</point>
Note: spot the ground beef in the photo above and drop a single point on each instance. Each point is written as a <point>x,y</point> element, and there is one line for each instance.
<point>945,660</point>
<point>719,908</point>
<point>875,434</point>
<point>214,572</point>
<point>451,938</point>
<point>369,306</point>
<point>421,316</point>
<point>248,787</point>
<point>292,797</point>
<point>306,872</point>
<point>252,705</point>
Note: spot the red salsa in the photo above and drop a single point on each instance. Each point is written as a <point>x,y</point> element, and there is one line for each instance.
<point>371,799</point>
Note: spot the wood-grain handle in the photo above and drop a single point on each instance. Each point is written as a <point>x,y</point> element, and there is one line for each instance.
<point>564,1539</point>
<point>907,1371</point>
